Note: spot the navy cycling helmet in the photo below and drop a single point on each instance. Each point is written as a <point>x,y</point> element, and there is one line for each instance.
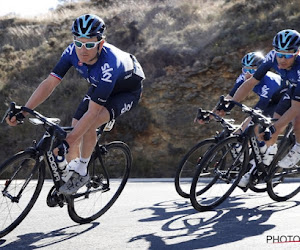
<point>252,59</point>
<point>88,26</point>
<point>287,40</point>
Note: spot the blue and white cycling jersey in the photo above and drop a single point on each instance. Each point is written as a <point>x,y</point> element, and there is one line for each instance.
<point>265,89</point>
<point>291,76</point>
<point>108,75</point>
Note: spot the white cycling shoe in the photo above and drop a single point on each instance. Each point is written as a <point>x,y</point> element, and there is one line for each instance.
<point>70,169</point>
<point>246,177</point>
<point>291,159</point>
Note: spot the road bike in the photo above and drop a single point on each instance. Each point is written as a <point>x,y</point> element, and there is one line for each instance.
<point>220,170</point>
<point>191,160</point>
<point>22,176</point>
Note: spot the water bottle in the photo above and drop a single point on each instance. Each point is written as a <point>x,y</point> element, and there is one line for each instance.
<point>61,162</point>
<point>263,147</point>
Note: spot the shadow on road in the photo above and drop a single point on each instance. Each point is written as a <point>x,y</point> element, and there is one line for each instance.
<point>40,240</point>
<point>185,228</point>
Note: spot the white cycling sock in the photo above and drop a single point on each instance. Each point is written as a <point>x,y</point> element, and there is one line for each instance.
<point>82,166</point>
<point>297,147</point>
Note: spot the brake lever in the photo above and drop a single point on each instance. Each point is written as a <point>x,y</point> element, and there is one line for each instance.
<point>12,111</point>
<point>5,115</point>
<point>203,115</point>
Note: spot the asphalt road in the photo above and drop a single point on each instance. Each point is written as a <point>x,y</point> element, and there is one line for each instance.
<point>149,214</point>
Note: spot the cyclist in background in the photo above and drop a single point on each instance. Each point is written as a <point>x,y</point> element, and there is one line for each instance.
<point>269,90</point>
<point>115,79</point>
<point>284,59</point>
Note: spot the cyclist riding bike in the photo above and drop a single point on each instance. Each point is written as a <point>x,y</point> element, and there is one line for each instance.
<point>115,79</point>
<point>283,59</point>
<point>269,90</point>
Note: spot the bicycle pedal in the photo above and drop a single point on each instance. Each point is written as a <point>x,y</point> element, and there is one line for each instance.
<point>54,199</point>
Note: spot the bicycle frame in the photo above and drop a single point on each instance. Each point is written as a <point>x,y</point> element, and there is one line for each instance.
<point>252,139</point>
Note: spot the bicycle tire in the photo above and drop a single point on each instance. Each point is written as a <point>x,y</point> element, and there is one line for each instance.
<point>282,184</point>
<point>188,165</point>
<point>256,184</point>
<point>94,199</point>
<point>14,209</point>
<point>218,174</point>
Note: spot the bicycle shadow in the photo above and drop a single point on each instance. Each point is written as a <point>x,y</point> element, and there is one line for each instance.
<point>189,229</point>
<point>40,240</point>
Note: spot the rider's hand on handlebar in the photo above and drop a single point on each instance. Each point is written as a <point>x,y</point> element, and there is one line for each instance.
<point>63,148</point>
<point>200,121</point>
<point>202,117</point>
<point>267,134</point>
<point>223,106</point>
<point>221,113</point>
<point>14,120</point>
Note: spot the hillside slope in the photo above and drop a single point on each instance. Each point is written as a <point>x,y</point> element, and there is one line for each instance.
<point>190,52</point>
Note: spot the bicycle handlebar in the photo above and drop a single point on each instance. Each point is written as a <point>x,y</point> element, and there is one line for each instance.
<point>204,115</point>
<point>256,114</point>
<point>59,132</point>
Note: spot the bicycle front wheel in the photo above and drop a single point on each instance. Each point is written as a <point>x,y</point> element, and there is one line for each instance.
<point>283,183</point>
<point>188,165</point>
<point>109,169</point>
<point>21,180</point>
<point>218,174</point>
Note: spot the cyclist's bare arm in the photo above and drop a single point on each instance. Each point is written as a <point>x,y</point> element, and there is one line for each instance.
<point>244,90</point>
<point>42,92</point>
<point>283,121</point>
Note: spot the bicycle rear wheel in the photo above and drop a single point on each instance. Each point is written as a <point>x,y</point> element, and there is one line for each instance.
<point>188,166</point>
<point>21,180</point>
<point>218,174</point>
<point>109,169</point>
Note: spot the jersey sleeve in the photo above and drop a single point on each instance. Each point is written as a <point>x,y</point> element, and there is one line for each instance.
<point>64,64</point>
<point>265,66</point>
<point>266,88</point>
<point>239,81</point>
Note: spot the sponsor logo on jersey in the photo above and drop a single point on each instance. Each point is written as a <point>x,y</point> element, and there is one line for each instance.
<point>127,107</point>
<point>270,56</point>
<point>86,98</point>
<point>286,97</point>
<point>264,91</point>
<point>79,70</point>
<point>106,75</point>
<point>240,78</point>
<point>101,100</point>
<point>94,79</point>
<point>298,72</point>
<point>69,49</point>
